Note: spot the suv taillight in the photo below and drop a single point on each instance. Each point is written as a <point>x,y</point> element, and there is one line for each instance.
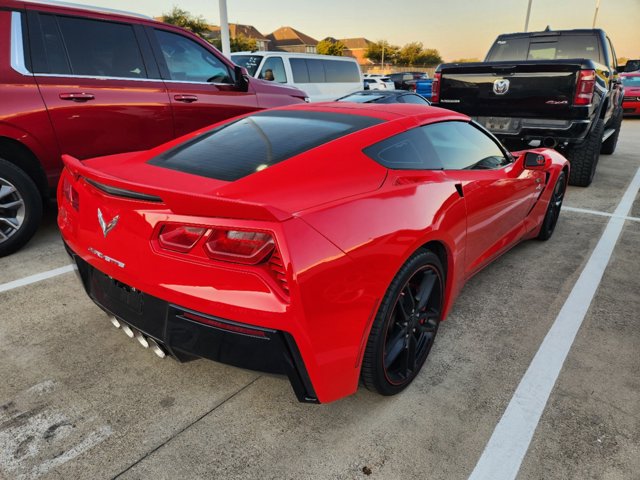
<point>239,246</point>
<point>435,88</point>
<point>585,87</point>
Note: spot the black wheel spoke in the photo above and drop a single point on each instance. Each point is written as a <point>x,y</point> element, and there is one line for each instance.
<point>406,303</point>
<point>426,287</point>
<point>395,347</point>
<point>410,356</point>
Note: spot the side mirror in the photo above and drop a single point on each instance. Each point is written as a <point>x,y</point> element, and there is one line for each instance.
<point>535,161</point>
<point>242,78</point>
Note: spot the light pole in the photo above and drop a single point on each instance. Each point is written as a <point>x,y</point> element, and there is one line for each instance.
<point>526,22</point>
<point>382,58</point>
<point>595,15</point>
<point>224,29</point>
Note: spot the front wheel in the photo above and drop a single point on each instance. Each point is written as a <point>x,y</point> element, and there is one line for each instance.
<point>20,208</point>
<point>553,210</point>
<point>405,327</point>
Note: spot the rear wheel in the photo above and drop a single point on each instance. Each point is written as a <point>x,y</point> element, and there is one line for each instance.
<point>584,157</point>
<point>405,327</point>
<point>553,210</point>
<point>20,208</point>
<point>609,145</point>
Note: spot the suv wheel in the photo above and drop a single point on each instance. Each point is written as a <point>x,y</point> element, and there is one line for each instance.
<point>584,157</point>
<point>20,208</point>
<point>609,145</point>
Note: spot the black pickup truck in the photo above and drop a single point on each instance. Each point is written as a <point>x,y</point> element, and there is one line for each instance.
<point>557,89</point>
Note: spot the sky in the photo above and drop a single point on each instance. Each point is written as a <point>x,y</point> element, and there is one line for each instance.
<point>456,28</point>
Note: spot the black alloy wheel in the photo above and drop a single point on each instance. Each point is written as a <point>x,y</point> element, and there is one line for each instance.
<point>406,325</point>
<point>553,210</point>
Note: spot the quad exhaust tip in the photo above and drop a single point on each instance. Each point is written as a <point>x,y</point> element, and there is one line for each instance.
<point>115,322</point>
<point>146,342</point>
<point>156,348</point>
<point>142,340</point>
<point>128,330</point>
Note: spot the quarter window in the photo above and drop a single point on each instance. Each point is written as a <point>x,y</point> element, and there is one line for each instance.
<point>93,48</point>
<point>189,62</point>
<point>276,66</point>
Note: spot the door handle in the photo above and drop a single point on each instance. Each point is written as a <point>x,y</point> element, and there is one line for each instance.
<point>185,98</point>
<point>77,97</point>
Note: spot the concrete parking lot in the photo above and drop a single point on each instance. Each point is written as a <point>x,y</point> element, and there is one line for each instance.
<point>78,399</point>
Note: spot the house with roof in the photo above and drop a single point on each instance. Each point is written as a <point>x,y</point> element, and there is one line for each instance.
<point>289,39</point>
<point>357,47</point>
<point>237,30</point>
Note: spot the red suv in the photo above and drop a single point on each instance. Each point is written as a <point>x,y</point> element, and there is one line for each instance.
<point>93,82</point>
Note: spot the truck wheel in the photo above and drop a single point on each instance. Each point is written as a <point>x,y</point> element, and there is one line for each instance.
<point>584,157</point>
<point>609,145</point>
<point>20,208</point>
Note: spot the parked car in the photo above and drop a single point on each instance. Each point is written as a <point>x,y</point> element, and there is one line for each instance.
<point>378,83</point>
<point>632,66</point>
<point>323,77</point>
<point>558,89</point>
<point>424,88</point>
<point>92,82</point>
<point>321,241</point>
<point>385,96</point>
<point>407,80</point>
<point>631,100</point>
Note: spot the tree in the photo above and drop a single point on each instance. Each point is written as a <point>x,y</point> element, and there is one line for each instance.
<point>184,19</point>
<point>466,60</point>
<point>414,54</point>
<point>238,44</point>
<point>330,47</point>
<point>375,51</point>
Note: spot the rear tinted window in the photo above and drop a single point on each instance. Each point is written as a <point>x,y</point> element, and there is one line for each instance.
<point>250,62</point>
<point>253,143</point>
<point>551,47</point>
<point>308,70</point>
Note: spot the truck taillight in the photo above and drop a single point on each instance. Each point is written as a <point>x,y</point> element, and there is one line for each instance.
<point>435,88</point>
<point>179,238</point>
<point>70,193</point>
<point>239,246</point>
<point>585,87</point>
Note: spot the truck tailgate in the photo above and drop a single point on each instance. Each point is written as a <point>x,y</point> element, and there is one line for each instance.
<point>531,89</point>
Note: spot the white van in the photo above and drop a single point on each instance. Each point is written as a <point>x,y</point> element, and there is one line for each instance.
<point>323,77</point>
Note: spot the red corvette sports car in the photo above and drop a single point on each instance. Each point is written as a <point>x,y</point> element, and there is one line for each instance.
<point>325,241</point>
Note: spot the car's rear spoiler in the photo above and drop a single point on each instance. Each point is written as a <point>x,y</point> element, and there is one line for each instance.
<point>180,202</point>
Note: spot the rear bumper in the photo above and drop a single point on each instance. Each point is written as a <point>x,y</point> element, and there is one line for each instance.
<point>528,129</point>
<point>232,343</point>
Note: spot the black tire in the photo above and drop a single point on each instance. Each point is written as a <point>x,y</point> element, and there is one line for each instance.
<point>405,326</point>
<point>584,157</point>
<point>20,208</point>
<point>553,210</point>
<point>609,145</point>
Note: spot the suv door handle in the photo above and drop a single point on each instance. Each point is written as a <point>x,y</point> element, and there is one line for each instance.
<point>77,97</point>
<point>185,98</point>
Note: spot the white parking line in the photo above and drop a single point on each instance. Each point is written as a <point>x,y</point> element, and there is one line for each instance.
<point>510,440</point>
<point>21,282</point>
<point>598,212</point>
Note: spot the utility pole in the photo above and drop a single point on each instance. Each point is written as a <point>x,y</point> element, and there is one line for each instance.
<point>224,29</point>
<point>595,15</point>
<point>382,58</point>
<point>526,22</point>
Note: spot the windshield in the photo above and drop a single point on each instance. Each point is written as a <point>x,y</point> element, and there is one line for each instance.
<point>631,81</point>
<point>250,62</point>
<point>553,47</point>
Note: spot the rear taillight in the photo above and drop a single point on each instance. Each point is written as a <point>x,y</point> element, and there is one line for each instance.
<point>180,238</point>
<point>435,88</point>
<point>70,193</point>
<point>239,246</point>
<point>585,87</point>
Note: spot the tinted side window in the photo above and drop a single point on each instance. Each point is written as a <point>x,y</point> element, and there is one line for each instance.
<point>460,145</point>
<point>413,99</point>
<point>341,71</point>
<point>54,58</point>
<point>316,71</point>
<point>277,70</point>
<point>409,150</point>
<point>299,70</point>
<point>99,48</point>
<point>189,62</point>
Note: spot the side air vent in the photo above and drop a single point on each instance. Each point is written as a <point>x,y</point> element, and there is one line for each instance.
<point>120,192</point>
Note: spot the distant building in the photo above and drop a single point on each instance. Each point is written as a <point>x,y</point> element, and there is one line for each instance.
<point>288,39</point>
<point>357,47</point>
<point>247,31</point>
